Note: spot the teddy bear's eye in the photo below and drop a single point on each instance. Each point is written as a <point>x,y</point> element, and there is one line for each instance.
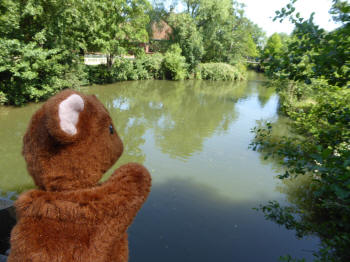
<point>111,130</point>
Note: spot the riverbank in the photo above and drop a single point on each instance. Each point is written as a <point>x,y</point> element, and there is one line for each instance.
<point>320,117</point>
<point>159,67</point>
<point>170,66</point>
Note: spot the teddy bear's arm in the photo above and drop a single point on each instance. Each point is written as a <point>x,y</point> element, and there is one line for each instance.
<point>131,184</point>
<point>123,193</point>
<point>131,180</point>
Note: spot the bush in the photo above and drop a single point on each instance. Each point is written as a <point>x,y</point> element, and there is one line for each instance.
<point>144,67</point>
<point>99,74</point>
<point>320,150</point>
<point>3,99</point>
<point>174,64</point>
<point>140,71</point>
<point>153,65</point>
<point>159,46</point>
<point>123,69</point>
<point>171,66</point>
<point>241,71</point>
<point>219,71</point>
<point>298,97</point>
<point>31,73</point>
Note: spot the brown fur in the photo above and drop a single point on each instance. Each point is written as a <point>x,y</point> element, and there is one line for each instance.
<point>71,217</point>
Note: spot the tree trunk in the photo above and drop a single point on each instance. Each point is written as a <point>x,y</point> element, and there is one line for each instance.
<point>109,60</point>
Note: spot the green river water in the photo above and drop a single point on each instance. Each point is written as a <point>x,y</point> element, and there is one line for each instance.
<point>193,136</point>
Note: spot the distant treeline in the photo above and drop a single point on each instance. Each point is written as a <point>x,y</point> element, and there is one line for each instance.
<point>42,43</point>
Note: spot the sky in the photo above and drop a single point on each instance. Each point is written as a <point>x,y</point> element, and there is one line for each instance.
<point>261,13</point>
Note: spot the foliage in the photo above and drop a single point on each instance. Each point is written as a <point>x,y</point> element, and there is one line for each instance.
<point>224,29</point>
<point>121,70</point>
<point>40,42</point>
<point>219,71</point>
<point>159,46</point>
<point>323,151</point>
<point>55,33</point>
<point>153,65</point>
<point>3,98</point>
<point>99,74</point>
<point>228,36</point>
<point>312,72</point>
<point>250,47</point>
<point>273,45</point>
<point>186,34</point>
<point>125,69</point>
<point>272,53</point>
<point>32,73</point>
<point>312,52</point>
<point>212,31</point>
<point>171,66</point>
<point>174,64</point>
<point>116,26</point>
<point>340,11</point>
<point>51,24</point>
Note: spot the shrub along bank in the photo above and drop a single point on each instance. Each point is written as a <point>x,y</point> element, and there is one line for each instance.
<point>170,66</point>
<point>220,71</point>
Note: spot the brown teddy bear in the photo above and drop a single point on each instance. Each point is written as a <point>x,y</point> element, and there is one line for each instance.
<point>70,143</point>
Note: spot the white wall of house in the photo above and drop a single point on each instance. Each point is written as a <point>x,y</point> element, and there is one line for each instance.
<point>91,59</point>
<point>98,59</point>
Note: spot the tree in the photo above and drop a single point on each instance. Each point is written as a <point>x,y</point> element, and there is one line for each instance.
<point>39,47</point>
<point>185,33</point>
<point>54,34</point>
<point>192,7</point>
<point>251,47</point>
<point>228,36</point>
<point>314,53</point>
<point>273,46</point>
<point>118,26</point>
<point>174,64</point>
<point>340,11</point>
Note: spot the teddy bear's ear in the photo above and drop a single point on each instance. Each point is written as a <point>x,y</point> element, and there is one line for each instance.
<point>63,113</point>
<point>68,113</point>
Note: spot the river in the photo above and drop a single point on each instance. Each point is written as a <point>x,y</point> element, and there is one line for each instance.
<point>193,136</point>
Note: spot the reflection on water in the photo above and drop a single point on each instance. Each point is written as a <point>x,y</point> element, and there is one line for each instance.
<point>300,192</point>
<point>193,136</point>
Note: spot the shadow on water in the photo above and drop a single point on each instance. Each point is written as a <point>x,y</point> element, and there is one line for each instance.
<point>185,221</point>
